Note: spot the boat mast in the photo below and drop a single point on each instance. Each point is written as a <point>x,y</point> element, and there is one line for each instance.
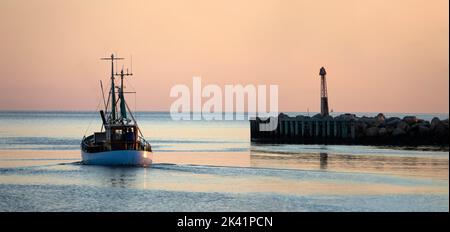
<point>123,110</point>
<point>113,94</point>
<point>113,97</point>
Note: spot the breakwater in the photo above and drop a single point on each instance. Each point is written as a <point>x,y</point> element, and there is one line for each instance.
<point>350,129</point>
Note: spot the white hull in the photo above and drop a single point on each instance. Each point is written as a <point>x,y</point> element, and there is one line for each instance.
<point>121,157</point>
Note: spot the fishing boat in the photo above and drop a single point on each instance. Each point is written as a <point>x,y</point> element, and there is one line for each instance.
<point>120,141</point>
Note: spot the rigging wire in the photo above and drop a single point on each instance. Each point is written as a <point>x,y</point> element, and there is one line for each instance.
<point>92,119</point>
<point>135,123</point>
<point>103,95</point>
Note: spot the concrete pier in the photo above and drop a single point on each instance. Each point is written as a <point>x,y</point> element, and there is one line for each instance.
<point>349,129</point>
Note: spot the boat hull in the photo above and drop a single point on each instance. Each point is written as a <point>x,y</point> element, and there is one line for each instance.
<point>120,157</point>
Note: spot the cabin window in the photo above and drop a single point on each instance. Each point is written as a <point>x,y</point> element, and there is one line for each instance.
<point>129,134</point>
<point>118,134</point>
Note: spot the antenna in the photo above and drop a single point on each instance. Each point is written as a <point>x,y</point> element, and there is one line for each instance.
<point>116,68</point>
<point>131,63</point>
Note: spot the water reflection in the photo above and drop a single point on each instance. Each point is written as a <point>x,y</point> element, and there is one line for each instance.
<point>428,167</point>
<point>117,177</point>
<point>323,161</point>
<point>119,182</point>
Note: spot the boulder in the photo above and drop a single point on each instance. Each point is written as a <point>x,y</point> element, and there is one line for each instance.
<point>392,122</point>
<point>424,123</point>
<point>410,120</point>
<point>390,130</point>
<point>423,130</point>
<point>361,125</point>
<point>317,116</point>
<point>346,117</point>
<point>372,131</point>
<point>434,122</point>
<point>440,128</point>
<point>387,120</point>
<point>383,132</point>
<point>281,115</point>
<point>398,132</point>
<point>328,117</point>
<point>403,126</point>
<point>380,118</point>
<point>368,120</point>
<point>419,129</point>
<point>302,117</point>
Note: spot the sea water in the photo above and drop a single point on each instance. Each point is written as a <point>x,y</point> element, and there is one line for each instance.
<point>209,166</point>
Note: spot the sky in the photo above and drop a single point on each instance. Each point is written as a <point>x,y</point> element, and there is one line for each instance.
<point>380,55</point>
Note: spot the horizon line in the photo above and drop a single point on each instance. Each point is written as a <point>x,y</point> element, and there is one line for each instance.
<point>167,111</point>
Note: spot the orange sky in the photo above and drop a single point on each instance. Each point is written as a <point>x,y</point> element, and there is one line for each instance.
<point>381,56</point>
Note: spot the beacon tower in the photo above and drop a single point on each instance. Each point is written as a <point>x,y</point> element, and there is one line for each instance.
<point>323,93</point>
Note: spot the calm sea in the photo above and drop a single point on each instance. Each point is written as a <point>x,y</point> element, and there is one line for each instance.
<point>209,166</point>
